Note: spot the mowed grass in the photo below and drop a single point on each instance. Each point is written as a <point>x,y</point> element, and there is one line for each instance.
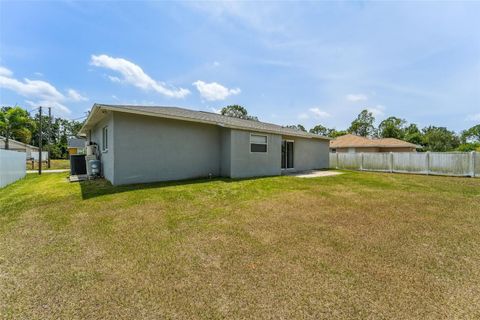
<point>54,164</point>
<point>356,246</point>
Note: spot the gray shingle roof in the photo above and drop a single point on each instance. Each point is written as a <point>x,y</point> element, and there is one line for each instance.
<point>209,117</point>
<point>76,143</point>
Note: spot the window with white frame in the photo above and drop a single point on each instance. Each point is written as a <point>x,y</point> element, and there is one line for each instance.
<point>258,143</point>
<point>105,138</point>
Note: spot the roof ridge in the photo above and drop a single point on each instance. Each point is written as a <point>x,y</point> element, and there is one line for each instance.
<point>182,113</point>
<point>202,111</point>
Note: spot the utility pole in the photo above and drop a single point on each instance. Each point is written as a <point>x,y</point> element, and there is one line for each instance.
<point>49,133</point>
<point>40,143</point>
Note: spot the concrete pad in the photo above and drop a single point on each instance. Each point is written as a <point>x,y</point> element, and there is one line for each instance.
<point>315,173</point>
<point>78,178</point>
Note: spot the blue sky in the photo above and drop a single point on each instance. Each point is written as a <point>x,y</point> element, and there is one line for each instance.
<point>287,63</point>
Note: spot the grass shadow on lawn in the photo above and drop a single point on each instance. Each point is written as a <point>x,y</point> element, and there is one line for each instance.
<point>101,187</point>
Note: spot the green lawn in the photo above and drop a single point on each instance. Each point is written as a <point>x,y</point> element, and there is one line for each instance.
<point>54,164</point>
<point>358,245</point>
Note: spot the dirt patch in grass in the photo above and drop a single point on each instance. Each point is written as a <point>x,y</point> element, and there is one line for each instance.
<point>357,245</point>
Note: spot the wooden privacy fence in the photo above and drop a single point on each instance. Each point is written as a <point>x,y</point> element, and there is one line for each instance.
<point>12,166</point>
<point>440,163</point>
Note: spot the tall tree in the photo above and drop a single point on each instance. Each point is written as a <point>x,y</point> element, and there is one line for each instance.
<point>298,127</point>
<point>56,137</point>
<point>472,134</point>
<point>237,111</point>
<point>327,132</point>
<point>413,134</point>
<point>337,133</point>
<point>14,123</point>
<point>320,130</point>
<point>363,124</point>
<point>439,139</point>
<point>392,127</point>
<point>470,139</point>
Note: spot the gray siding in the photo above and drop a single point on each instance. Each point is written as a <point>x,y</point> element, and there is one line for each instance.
<point>310,154</point>
<point>226,152</point>
<point>247,164</point>
<point>106,157</point>
<point>155,149</point>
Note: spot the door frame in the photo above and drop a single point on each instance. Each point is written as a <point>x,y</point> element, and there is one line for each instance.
<point>284,141</point>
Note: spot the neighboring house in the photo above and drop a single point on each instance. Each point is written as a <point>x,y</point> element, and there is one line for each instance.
<point>139,144</point>
<point>18,146</point>
<point>76,146</point>
<point>352,143</point>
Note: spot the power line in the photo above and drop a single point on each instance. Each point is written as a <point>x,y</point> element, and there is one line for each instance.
<point>79,118</point>
<point>49,134</point>
<point>40,143</point>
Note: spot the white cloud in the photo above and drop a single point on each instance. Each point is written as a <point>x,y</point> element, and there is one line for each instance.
<point>356,97</point>
<point>55,105</point>
<point>319,114</point>
<point>215,110</point>
<point>260,18</point>
<point>214,91</point>
<point>75,96</point>
<point>474,117</point>
<point>39,92</point>
<point>303,116</point>
<point>377,111</point>
<point>31,88</point>
<point>5,72</point>
<point>134,75</point>
<point>114,79</point>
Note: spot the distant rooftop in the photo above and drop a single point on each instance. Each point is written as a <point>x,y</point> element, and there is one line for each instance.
<point>76,142</point>
<point>352,141</point>
<point>12,143</point>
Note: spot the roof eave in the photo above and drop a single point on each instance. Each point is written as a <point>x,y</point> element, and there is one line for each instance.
<point>86,125</point>
<point>97,107</point>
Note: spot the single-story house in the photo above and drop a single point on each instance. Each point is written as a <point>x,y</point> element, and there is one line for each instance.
<point>352,143</point>
<point>18,146</point>
<point>76,145</point>
<point>138,144</point>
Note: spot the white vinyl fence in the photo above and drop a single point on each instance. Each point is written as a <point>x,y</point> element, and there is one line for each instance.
<point>35,154</point>
<point>12,166</point>
<point>439,163</point>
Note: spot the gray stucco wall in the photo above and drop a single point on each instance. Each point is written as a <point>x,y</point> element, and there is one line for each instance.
<point>253,164</point>
<point>151,149</point>
<point>106,157</point>
<point>147,149</point>
<point>310,154</point>
<point>225,152</point>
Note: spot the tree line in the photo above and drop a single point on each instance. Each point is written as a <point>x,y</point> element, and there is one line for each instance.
<point>18,124</point>
<point>429,138</point>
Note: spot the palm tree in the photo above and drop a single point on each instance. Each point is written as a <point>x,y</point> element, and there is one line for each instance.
<point>12,119</point>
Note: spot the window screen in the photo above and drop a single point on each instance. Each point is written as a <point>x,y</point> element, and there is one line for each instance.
<point>258,143</point>
<point>258,139</point>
